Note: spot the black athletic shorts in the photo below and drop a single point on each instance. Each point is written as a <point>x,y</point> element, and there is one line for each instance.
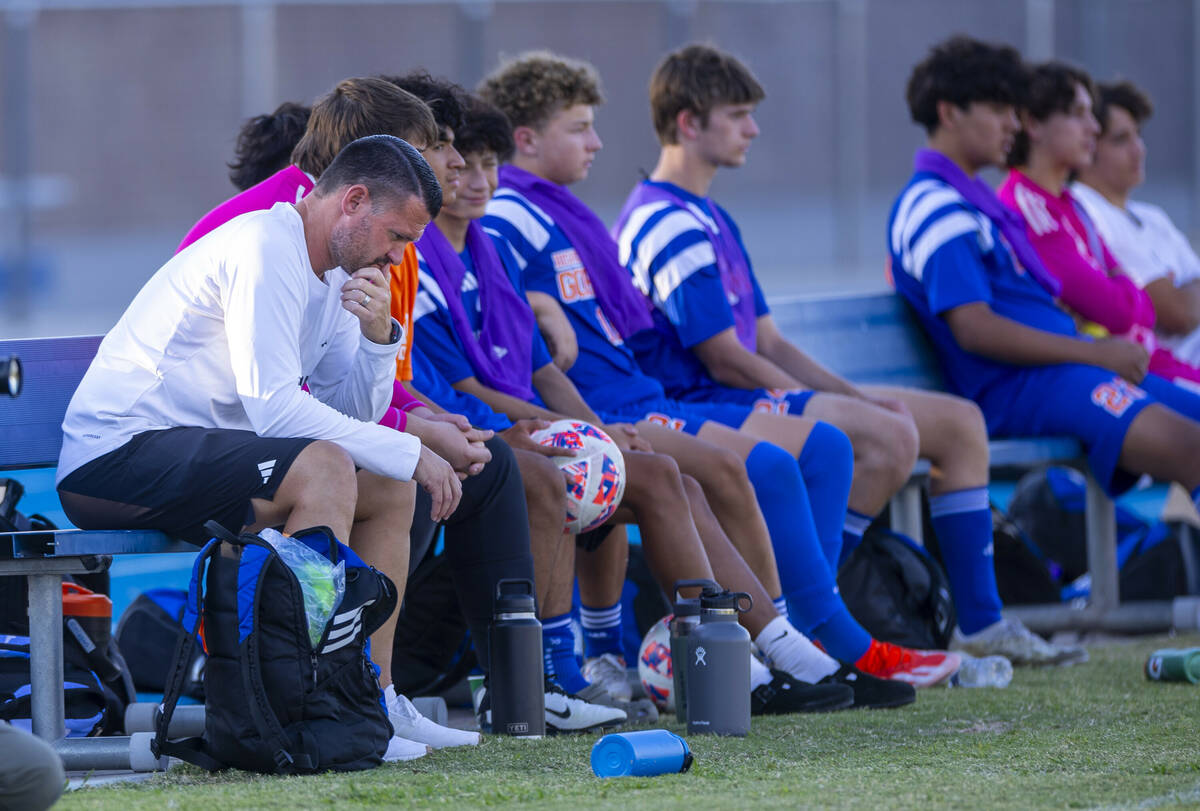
<point>175,479</point>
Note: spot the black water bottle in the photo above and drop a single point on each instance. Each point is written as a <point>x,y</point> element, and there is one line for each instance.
<point>684,619</point>
<point>516,682</point>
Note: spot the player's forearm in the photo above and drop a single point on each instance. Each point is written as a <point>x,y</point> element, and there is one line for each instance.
<point>981,331</point>
<point>512,407</point>
<point>1178,308</point>
<point>804,369</point>
<point>559,393</point>
<point>741,369</point>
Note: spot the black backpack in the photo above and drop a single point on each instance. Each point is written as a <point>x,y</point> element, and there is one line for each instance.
<point>897,591</point>
<point>1157,561</point>
<point>274,702</point>
<point>148,629</point>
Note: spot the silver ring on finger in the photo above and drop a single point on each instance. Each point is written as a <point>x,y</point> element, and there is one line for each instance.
<point>366,299</point>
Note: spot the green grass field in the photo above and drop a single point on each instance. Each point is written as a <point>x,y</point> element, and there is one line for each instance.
<point>1096,735</point>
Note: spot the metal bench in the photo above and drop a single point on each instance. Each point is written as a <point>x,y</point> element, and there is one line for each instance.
<point>876,338</point>
<point>30,437</point>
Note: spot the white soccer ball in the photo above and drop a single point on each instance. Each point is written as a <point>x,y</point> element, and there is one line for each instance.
<point>654,665</point>
<point>595,475</point>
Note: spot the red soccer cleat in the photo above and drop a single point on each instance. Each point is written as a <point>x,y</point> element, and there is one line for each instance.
<point>920,668</point>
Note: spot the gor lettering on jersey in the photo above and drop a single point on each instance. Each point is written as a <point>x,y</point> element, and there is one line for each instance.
<point>573,282</point>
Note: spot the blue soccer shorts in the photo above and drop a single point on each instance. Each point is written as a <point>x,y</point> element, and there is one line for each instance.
<point>1091,404</point>
<point>770,401</point>
<point>680,416</point>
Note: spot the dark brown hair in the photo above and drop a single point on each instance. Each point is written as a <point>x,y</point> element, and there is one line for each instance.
<point>355,109</point>
<point>697,78</point>
<point>1126,95</point>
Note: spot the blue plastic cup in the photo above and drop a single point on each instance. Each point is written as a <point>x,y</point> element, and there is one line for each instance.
<point>644,753</point>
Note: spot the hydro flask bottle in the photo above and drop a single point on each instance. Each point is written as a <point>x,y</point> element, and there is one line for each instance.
<point>686,617</point>
<point>718,667</point>
<point>516,684</point>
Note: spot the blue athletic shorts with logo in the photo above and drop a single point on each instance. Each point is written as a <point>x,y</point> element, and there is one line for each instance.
<point>770,401</point>
<point>1092,404</point>
<point>678,415</point>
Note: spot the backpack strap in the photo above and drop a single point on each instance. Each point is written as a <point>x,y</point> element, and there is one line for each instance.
<point>265,720</point>
<point>192,750</point>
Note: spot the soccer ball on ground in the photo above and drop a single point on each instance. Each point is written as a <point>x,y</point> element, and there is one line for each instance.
<point>654,665</point>
<point>595,475</point>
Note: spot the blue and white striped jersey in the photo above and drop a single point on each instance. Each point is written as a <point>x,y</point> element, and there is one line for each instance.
<point>435,329</point>
<point>945,253</point>
<point>605,373</point>
<point>673,261</point>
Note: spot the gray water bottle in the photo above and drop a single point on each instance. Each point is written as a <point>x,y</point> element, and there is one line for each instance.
<point>685,617</point>
<point>516,684</point>
<point>718,667</point>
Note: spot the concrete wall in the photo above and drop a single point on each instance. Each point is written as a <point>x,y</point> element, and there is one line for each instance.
<point>133,111</point>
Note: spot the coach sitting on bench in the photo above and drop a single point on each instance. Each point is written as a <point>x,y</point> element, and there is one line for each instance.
<point>193,408</point>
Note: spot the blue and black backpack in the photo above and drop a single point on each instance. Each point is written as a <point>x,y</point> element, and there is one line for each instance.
<point>274,702</point>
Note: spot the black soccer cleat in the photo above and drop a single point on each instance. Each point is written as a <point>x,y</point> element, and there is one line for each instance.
<point>872,692</point>
<point>786,694</point>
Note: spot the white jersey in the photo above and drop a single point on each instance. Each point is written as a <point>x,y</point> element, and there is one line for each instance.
<point>223,336</point>
<point>1148,247</point>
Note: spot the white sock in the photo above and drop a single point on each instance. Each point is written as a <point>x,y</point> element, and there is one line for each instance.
<point>759,673</point>
<point>792,652</point>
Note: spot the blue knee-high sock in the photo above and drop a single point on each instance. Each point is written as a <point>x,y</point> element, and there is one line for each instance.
<point>852,533</point>
<point>558,653</point>
<point>962,521</point>
<point>601,630</point>
<point>808,584</point>
<point>827,466</point>
<point>1196,497</point>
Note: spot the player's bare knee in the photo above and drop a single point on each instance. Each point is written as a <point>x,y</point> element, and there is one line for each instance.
<point>965,432</point>
<point>322,472</point>
<point>653,479</point>
<point>543,482</point>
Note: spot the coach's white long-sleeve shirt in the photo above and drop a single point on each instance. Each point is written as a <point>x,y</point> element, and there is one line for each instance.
<point>223,336</point>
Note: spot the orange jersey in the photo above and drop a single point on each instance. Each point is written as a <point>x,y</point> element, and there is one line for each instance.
<point>403,281</point>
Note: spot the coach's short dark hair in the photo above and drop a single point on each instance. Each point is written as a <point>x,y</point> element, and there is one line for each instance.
<point>697,78</point>
<point>355,109</point>
<point>963,70</point>
<point>391,169</point>
<point>444,98</point>
<point>534,86</point>
<point>265,144</point>
<point>485,129</point>
<point>1126,95</point>
<point>1051,90</point>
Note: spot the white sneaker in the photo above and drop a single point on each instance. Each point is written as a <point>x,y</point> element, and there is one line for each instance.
<point>404,749</point>
<point>1011,639</point>
<point>608,671</point>
<point>410,724</point>
<point>569,713</point>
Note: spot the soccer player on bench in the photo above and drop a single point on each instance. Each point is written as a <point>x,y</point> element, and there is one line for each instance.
<point>964,263</point>
<point>565,253</point>
<point>468,288</point>
<point>192,409</point>
<point>1058,138</point>
<point>1142,238</point>
<point>714,340</point>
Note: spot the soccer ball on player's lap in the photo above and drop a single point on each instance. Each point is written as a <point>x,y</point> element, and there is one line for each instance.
<point>595,475</point>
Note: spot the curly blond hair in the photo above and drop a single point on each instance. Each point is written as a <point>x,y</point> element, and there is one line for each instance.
<point>535,85</point>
